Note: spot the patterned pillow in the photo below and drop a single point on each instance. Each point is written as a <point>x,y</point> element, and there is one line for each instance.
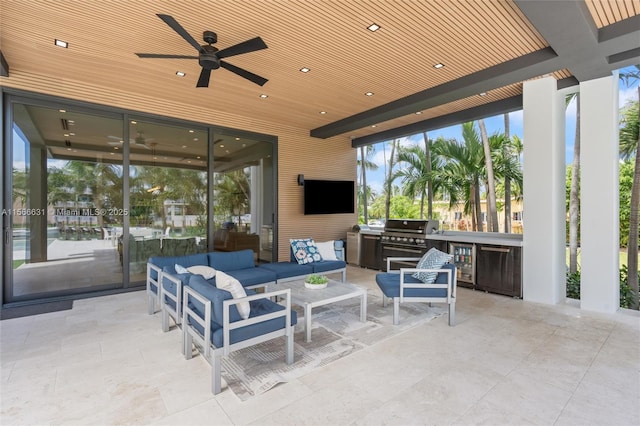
<point>305,251</point>
<point>433,259</point>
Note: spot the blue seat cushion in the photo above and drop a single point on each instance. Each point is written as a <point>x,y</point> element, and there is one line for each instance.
<point>232,260</point>
<point>288,269</point>
<point>170,261</point>
<point>168,285</point>
<point>258,308</point>
<point>252,276</point>
<point>328,265</point>
<point>389,283</point>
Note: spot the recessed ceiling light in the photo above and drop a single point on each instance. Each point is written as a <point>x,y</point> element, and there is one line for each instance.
<point>369,94</point>
<point>483,94</point>
<point>134,122</point>
<point>418,112</point>
<point>115,147</point>
<point>195,139</point>
<point>66,135</point>
<point>244,145</point>
<point>323,112</point>
<point>62,110</point>
<point>72,134</point>
<point>227,151</point>
<point>198,157</point>
<point>263,96</point>
<point>304,69</point>
<point>373,27</point>
<point>112,153</point>
<point>191,131</point>
<point>71,122</point>
<point>373,125</point>
<point>61,43</point>
<point>438,65</point>
<point>221,146</point>
<point>180,74</point>
<point>184,146</point>
<point>68,149</point>
<point>237,139</point>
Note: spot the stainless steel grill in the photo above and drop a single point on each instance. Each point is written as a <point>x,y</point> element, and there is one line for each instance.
<point>405,238</point>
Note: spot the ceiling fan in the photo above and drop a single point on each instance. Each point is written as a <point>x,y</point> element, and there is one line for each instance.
<point>209,57</point>
<point>139,140</point>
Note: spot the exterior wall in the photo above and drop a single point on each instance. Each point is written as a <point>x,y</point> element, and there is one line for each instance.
<point>298,152</point>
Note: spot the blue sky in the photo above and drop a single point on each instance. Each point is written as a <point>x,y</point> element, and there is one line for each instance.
<point>493,124</point>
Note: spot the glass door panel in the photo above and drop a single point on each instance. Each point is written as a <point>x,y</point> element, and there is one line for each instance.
<point>168,193</point>
<point>243,185</point>
<point>66,199</point>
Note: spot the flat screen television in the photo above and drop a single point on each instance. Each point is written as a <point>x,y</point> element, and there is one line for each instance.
<point>329,196</point>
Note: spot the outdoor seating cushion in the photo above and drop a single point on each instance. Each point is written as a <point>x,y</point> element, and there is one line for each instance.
<point>231,261</point>
<point>253,276</point>
<point>288,269</point>
<point>217,297</point>
<point>328,265</point>
<point>389,283</point>
<point>185,261</point>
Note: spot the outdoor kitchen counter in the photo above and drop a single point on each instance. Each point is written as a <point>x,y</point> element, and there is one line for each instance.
<point>494,238</point>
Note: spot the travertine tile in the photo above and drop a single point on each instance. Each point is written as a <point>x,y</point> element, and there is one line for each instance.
<point>505,362</point>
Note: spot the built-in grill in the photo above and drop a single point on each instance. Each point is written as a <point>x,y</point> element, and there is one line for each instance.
<point>405,238</point>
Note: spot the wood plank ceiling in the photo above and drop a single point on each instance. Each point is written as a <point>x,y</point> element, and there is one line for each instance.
<point>330,37</point>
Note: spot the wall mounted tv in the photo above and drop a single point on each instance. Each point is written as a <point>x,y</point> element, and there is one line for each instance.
<point>328,196</point>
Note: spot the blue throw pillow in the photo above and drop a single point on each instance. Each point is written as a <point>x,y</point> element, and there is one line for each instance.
<point>305,251</point>
<point>433,259</point>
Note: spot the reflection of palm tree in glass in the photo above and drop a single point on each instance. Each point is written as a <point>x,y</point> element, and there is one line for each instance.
<point>154,186</point>
<point>232,193</point>
<point>102,182</point>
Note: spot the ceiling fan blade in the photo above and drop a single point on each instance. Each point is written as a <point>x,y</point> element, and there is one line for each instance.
<point>159,55</point>
<point>260,81</point>
<point>244,47</point>
<point>175,26</point>
<point>203,80</point>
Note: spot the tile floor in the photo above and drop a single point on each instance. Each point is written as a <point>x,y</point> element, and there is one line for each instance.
<point>506,362</point>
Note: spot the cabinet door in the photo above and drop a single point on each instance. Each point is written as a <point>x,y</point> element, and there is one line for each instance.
<point>498,270</point>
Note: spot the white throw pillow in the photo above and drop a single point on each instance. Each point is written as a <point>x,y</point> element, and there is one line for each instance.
<point>233,286</point>
<point>206,271</point>
<point>327,250</point>
<point>181,269</point>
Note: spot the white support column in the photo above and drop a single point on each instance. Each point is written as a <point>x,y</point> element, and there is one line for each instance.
<point>599,203</point>
<point>544,215</point>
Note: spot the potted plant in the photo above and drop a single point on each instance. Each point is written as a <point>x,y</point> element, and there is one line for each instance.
<point>316,281</point>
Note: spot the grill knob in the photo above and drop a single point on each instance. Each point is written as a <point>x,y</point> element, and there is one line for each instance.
<point>411,240</point>
<point>404,239</point>
<point>419,240</point>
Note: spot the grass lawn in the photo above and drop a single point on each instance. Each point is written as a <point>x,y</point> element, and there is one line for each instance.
<point>623,257</point>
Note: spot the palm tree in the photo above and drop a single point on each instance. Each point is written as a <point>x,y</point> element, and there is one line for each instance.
<point>492,209</point>
<point>461,170</point>
<point>365,164</point>
<point>629,143</point>
<point>416,176</point>
<point>389,179</point>
<point>506,153</point>
<point>574,192</point>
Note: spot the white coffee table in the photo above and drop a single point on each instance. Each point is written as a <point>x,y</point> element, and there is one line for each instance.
<point>311,298</point>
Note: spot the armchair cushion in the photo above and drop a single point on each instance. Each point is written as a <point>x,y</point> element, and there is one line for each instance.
<point>218,296</point>
<point>253,276</point>
<point>433,259</point>
<point>206,271</point>
<point>389,283</point>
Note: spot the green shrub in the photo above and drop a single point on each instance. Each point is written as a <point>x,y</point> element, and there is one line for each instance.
<point>573,286</point>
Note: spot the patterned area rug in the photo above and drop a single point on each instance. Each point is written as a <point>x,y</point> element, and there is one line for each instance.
<point>336,333</point>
